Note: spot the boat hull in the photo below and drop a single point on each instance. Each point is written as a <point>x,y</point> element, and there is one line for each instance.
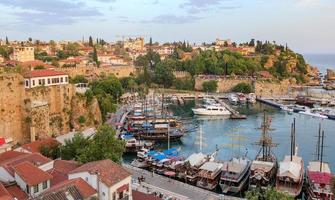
<point>204,112</point>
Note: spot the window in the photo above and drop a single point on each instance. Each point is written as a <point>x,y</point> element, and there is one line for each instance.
<point>27,189</point>
<point>103,194</point>
<point>48,80</point>
<point>27,83</point>
<point>61,79</point>
<point>114,196</point>
<point>40,81</point>
<point>65,79</point>
<point>35,188</point>
<point>33,82</point>
<point>45,185</point>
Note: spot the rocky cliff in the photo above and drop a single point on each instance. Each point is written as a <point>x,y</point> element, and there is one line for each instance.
<point>50,110</point>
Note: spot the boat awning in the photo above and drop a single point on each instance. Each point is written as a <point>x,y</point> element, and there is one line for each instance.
<point>315,166</point>
<point>171,152</point>
<point>211,166</point>
<point>290,169</point>
<point>196,159</point>
<point>320,177</point>
<point>159,157</point>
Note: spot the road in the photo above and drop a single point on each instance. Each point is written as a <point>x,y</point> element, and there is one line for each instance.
<point>183,191</point>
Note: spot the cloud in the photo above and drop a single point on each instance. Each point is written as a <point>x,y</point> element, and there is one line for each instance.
<point>49,12</point>
<point>197,6</point>
<point>172,19</point>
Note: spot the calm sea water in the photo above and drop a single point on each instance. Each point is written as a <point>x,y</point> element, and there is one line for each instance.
<point>239,135</point>
<point>322,61</point>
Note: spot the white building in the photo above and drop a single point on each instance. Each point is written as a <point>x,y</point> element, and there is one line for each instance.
<point>111,180</point>
<point>45,77</point>
<point>31,179</point>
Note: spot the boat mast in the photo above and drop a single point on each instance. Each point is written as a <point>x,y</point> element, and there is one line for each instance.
<point>321,158</point>
<point>318,145</point>
<point>292,129</point>
<point>293,147</point>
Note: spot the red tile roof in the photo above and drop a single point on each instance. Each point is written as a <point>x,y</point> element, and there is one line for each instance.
<point>4,194</point>
<point>43,73</point>
<point>61,169</point>
<point>34,158</point>
<point>31,174</point>
<point>16,192</point>
<point>8,155</point>
<point>110,173</point>
<point>84,188</point>
<point>34,147</point>
<point>141,196</point>
<point>35,63</point>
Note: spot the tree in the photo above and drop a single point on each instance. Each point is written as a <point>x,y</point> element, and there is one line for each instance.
<point>95,56</point>
<point>252,43</point>
<point>90,41</point>
<point>163,73</point>
<point>210,86</point>
<point>104,145</point>
<point>81,120</point>
<point>243,88</point>
<point>52,151</point>
<point>7,41</point>
<point>269,194</point>
<point>73,147</point>
<point>78,79</point>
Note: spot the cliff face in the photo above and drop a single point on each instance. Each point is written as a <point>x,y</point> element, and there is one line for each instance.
<point>12,107</point>
<point>41,111</point>
<point>84,113</point>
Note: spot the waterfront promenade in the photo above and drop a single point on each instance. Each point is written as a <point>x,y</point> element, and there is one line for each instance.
<point>174,188</point>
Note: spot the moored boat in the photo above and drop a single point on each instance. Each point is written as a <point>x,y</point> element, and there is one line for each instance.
<point>242,99</point>
<point>319,178</point>
<point>251,98</point>
<point>290,176</point>
<point>211,111</point>
<point>209,175</point>
<point>305,101</point>
<point>264,167</point>
<point>235,175</point>
<point>233,99</point>
<point>313,113</point>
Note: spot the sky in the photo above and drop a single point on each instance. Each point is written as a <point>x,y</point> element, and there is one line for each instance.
<point>307,26</point>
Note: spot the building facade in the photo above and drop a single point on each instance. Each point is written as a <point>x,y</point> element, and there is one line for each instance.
<point>45,77</point>
<point>23,54</point>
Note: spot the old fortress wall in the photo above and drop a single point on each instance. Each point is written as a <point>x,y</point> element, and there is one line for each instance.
<point>26,114</point>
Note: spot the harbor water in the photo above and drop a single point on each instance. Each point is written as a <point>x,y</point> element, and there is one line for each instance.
<point>237,137</point>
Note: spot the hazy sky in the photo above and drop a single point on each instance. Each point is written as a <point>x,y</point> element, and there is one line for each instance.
<point>308,26</point>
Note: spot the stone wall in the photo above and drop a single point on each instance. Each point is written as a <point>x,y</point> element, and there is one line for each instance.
<point>93,73</point>
<point>49,110</point>
<point>224,84</point>
<point>13,110</point>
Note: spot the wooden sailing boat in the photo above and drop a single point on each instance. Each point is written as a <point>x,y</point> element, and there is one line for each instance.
<point>318,175</point>
<point>290,175</point>
<point>235,173</point>
<point>264,167</point>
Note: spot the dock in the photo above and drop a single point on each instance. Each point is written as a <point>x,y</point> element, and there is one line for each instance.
<point>174,188</point>
<point>269,102</point>
<point>234,113</point>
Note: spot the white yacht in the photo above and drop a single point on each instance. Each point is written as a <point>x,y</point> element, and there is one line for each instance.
<point>210,110</point>
<point>233,99</point>
<point>251,98</point>
<point>313,113</point>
